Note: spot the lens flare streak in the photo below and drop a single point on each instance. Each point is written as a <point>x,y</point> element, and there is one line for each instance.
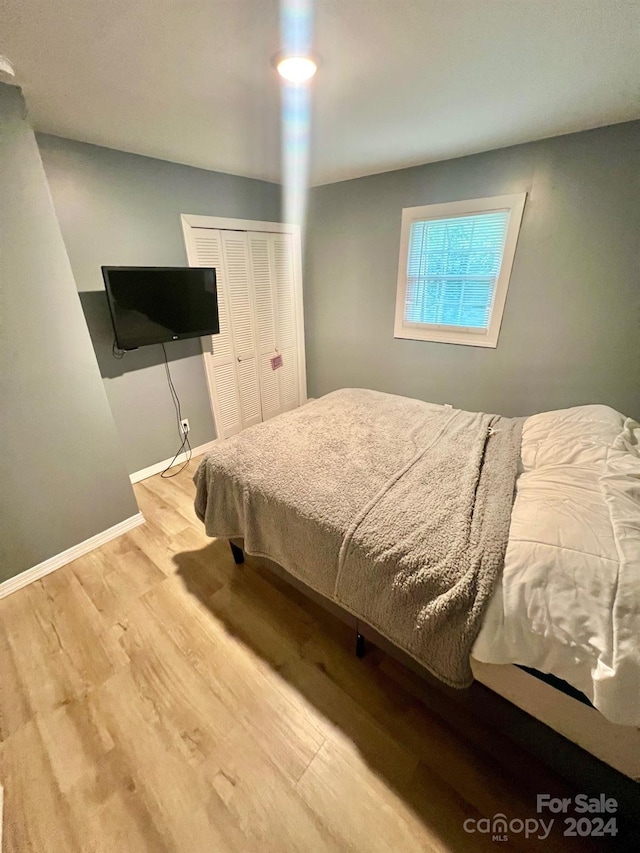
<point>296,31</point>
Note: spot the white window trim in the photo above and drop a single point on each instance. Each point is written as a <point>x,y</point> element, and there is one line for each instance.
<point>515,205</point>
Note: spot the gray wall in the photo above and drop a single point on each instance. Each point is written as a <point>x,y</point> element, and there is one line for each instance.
<point>571,327</point>
<point>123,209</point>
<point>63,478</point>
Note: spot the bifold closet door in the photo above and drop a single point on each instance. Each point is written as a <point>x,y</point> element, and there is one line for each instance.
<point>286,337</point>
<point>231,363</point>
<point>259,320</point>
<point>237,284</point>
<point>272,274</point>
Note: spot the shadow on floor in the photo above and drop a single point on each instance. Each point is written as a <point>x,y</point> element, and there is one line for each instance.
<point>464,768</point>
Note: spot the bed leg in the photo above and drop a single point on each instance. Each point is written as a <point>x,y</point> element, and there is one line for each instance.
<point>238,554</point>
<point>361,646</point>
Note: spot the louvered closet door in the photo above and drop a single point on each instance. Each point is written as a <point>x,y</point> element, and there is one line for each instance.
<point>219,357</point>
<point>257,306</point>
<point>274,300</point>
<point>261,253</point>
<point>235,250</point>
<point>285,316</point>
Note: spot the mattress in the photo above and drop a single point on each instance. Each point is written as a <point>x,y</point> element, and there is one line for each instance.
<point>568,601</point>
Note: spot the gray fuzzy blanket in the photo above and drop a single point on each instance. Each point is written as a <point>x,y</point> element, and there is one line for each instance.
<point>396,509</point>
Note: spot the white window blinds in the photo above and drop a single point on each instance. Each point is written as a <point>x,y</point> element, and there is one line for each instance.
<point>452,270</point>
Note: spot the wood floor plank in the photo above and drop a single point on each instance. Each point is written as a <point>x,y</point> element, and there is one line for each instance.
<point>183,705</point>
<point>180,490</point>
<point>37,818</point>
<point>58,642</point>
<point>342,790</point>
<point>70,619</point>
<point>14,707</point>
<point>285,726</point>
<point>91,572</point>
<point>110,814</point>
<point>75,740</point>
<point>182,809</point>
<point>345,720</point>
<point>162,495</point>
<point>156,697</point>
<point>259,615</point>
<point>159,547</point>
<point>270,812</point>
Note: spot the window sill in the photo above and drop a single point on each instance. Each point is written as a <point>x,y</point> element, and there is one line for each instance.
<point>461,338</point>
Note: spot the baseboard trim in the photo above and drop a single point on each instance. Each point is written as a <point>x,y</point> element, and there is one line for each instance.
<point>160,466</point>
<point>68,556</point>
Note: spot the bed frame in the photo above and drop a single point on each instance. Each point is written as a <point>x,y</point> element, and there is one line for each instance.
<point>543,714</point>
<point>362,630</point>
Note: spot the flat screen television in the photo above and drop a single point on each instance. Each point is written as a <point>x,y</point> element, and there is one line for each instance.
<point>153,305</point>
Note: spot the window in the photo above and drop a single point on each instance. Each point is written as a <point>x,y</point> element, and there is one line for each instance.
<point>454,269</point>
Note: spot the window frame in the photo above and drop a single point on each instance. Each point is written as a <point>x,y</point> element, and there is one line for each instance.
<point>514,203</point>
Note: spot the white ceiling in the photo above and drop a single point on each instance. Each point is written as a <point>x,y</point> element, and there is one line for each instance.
<point>401,81</point>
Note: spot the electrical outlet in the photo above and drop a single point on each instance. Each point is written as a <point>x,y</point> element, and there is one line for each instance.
<point>184,426</point>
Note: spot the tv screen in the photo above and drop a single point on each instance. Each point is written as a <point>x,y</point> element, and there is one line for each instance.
<point>152,305</point>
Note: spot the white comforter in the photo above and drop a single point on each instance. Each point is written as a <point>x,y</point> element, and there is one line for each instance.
<point>569,599</point>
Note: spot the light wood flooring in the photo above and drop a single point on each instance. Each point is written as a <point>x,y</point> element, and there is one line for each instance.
<point>155,697</point>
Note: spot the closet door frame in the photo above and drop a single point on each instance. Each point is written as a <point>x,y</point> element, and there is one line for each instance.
<point>191,222</point>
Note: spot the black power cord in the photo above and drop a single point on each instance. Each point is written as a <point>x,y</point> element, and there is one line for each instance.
<point>119,354</point>
<point>185,436</point>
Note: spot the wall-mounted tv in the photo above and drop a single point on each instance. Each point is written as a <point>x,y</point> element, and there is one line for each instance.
<point>152,305</point>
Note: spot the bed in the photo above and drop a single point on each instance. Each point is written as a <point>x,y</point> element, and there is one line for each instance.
<point>467,540</point>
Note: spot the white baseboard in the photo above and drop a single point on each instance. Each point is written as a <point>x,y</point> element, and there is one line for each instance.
<point>160,466</point>
<point>68,556</point>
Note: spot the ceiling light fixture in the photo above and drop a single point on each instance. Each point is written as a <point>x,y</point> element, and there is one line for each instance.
<point>297,69</point>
